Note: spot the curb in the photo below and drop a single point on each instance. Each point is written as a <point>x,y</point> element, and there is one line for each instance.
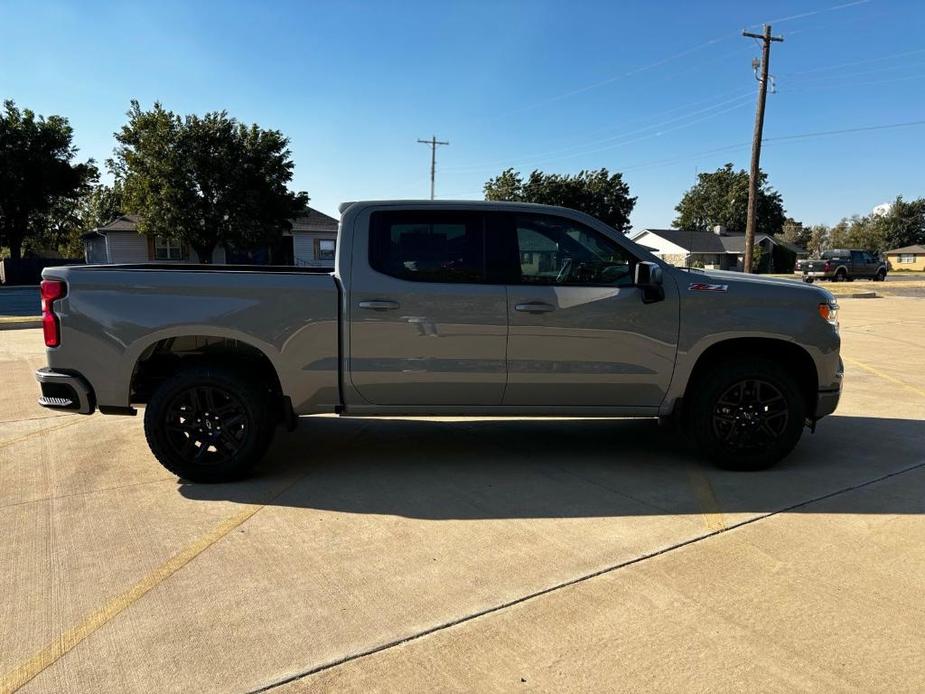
<point>26,322</point>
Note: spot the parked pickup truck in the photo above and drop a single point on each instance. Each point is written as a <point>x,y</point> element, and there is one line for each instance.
<point>843,265</point>
<point>469,308</point>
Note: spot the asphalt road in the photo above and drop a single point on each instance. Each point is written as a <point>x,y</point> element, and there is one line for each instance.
<point>494,555</point>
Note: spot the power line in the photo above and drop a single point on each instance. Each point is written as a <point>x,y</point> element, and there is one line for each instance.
<point>843,131</point>
<point>658,163</point>
<point>611,141</point>
<point>655,163</point>
<point>433,142</point>
<point>812,13</point>
<point>816,88</point>
<point>854,73</point>
<point>854,63</point>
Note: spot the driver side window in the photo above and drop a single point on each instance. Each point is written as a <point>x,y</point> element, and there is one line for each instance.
<point>557,251</point>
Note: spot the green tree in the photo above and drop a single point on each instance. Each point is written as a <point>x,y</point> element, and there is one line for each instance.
<point>37,173</point>
<point>904,224</point>
<point>794,232</point>
<point>599,193</point>
<point>68,220</point>
<point>721,198</point>
<point>819,239</point>
<point>205,181</point>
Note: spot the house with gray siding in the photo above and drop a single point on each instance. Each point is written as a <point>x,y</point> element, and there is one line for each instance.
<point>717,249</point>
<point>310,243</point>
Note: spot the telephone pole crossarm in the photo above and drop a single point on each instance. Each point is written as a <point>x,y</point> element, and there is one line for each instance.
<point>433,142</point>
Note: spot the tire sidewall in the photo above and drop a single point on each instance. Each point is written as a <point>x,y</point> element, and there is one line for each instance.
<point>718,381</point>
<point>254,403</point>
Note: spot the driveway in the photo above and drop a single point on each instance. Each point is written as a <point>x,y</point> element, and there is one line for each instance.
<point>459,555</point>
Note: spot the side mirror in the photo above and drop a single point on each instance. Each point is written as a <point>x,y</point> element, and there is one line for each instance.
<point>649,280</point>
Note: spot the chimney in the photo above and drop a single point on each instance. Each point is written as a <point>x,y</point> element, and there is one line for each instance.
<point>719,230</point>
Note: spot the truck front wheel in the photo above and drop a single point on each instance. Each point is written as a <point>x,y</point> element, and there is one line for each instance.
<point>208,424</point>
<point>746,414</point>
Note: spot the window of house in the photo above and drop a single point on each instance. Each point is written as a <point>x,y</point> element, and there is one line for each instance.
<point>428,246</point>
<point>907,257</point>
<point>325,249</point>
<point>558,251</point>
<point>167,249</point>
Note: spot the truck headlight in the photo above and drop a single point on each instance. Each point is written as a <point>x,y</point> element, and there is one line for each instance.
<point>829,313</point>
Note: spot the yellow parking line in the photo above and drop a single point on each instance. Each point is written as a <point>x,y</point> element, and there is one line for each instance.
<point>706,499</point>
<point>65,642</point>
<point>10,442</point>
<point>887,377</point>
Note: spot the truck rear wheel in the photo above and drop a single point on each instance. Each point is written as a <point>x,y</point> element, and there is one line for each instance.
<point>746,414</point>
<point>208,424</point>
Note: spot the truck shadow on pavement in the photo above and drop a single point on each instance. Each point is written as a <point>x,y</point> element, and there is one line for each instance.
<point>467,470</point>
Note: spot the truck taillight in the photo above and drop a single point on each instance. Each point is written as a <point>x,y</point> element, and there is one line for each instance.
<point>51,290</point>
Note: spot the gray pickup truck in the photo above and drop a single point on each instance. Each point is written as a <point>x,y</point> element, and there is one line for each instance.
<point>469,308</point>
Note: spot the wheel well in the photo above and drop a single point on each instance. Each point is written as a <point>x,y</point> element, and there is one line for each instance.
<point>792,357</point>
<point>166,357</point>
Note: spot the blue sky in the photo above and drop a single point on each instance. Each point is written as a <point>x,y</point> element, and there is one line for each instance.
<point>657,90</point>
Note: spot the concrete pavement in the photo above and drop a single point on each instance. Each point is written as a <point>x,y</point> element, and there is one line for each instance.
<point>438,554</point>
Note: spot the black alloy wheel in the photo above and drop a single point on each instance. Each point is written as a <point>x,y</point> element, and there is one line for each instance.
<point>750,414</point>
<point>206,425</point>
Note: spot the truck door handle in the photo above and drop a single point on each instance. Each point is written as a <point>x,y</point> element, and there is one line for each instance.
<point>535,307</point>
<point>379,305</point>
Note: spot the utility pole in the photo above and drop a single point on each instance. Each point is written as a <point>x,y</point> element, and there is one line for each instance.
<point>433,142</point>
<point>751,220</point>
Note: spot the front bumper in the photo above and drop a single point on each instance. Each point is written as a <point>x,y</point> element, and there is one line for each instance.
<point>64,391</point>
<point>827,400</point>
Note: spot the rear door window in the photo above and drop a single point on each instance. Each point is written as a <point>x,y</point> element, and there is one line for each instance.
<point>422,246</point>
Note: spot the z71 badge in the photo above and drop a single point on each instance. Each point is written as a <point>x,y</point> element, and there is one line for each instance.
<point>703,287</point>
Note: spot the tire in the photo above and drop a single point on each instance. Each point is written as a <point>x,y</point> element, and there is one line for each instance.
<point>841,275</point>
<point>808,280</point>
<point>727,421</point>
<point>880,276</point>
<point>209,424</point>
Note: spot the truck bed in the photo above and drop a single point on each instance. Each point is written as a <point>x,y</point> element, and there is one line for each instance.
<point>113,314</point>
